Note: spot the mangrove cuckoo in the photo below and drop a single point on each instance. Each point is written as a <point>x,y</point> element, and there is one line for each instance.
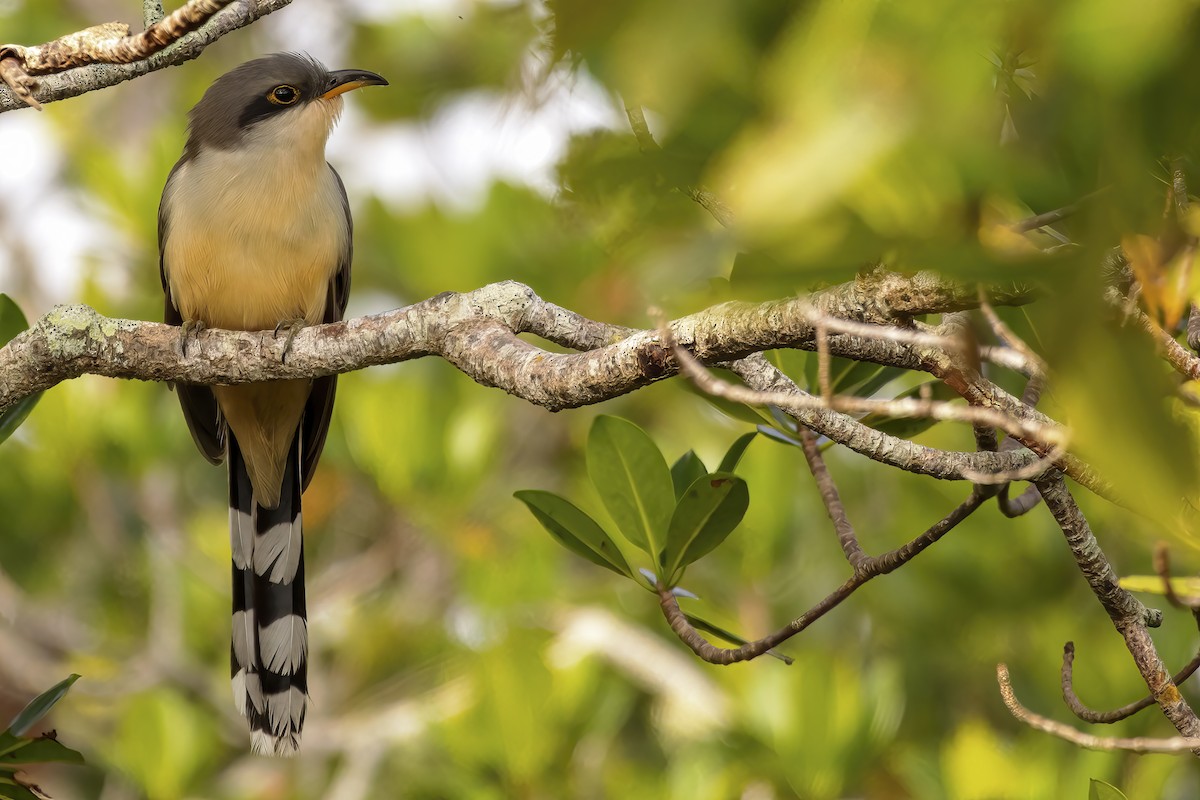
<point>254,233</point>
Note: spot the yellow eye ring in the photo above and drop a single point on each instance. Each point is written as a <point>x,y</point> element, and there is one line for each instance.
<point>283,95</point>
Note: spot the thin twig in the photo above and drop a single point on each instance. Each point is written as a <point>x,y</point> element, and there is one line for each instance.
<point>830,497</point>
<point>823,381</point>
<point>1177,744</point>
<point>702,196</point>
<point>1050,435</point>
<point>1009,337</point>
<point>1117,714</point>
<point>1179,358</point>
<point>1128,615</point>
<point>870,568</point>
<point>1044,219</point>
<point>1057,215</point>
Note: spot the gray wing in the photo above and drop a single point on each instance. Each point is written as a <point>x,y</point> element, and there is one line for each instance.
<point>198,403</point>
<point>319,408</point>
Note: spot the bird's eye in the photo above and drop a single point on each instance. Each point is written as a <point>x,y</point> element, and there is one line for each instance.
<point>284,95</point>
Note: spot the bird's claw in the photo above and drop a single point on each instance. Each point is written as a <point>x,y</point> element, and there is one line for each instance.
<point>293,327</point>
<point>189,328</point>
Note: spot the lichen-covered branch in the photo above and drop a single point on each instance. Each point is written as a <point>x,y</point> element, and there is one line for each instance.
<point>1128,615</point>
<point>478,333</point>
<point>107,54</point>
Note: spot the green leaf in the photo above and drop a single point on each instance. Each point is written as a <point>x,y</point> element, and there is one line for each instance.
<point>1099,790</point>
<point>707,627</point>
<point>688,468</point>
<point>12,322</point>
<point>41,750</point>
<point>1153,584</point>
<point>882,378</point>
<point>735,452</point>
<point>39,706</point>
<point>574,529</point>
<point>845,375</point>
<point>632,478</point>
<point>11,790</point>
<point>706,514</point>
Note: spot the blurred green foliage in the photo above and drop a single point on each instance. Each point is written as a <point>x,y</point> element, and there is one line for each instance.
<point>457,650</point>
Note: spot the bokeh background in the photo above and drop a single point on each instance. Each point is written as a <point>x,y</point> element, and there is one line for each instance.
<point>458,652</point>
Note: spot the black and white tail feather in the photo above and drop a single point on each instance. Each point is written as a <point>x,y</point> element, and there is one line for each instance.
<point>269,648</point>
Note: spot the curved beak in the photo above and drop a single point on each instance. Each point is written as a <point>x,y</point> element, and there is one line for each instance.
<point>344,80</point>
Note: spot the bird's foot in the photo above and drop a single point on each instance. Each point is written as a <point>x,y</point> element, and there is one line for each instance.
<point>293,327</point>
<point>189,329</point>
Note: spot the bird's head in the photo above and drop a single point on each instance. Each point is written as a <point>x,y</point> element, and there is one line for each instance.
<point>284,98</point>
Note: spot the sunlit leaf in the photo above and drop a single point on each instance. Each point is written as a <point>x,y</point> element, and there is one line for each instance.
<point>574,529</point>
<point>706,514</point>
<point>632,478</point>
<point>40,706</point>
<point>1153,584</point>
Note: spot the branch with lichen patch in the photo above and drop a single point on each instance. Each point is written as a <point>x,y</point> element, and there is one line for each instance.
<point>107,54</point>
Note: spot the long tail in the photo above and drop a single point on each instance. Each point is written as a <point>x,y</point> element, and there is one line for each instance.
<point>269,651</point>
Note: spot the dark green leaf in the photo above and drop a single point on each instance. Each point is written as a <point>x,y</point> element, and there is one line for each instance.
<point>11,790</point>
<point>707,627</point>
<point>706,514</point>
<point>632,478</point>
<point>845,375</point>
<point>882,378</point>
<point>1099,790</point>
<point>8,742</point>
<point>40,706</point>
<point>736,450</point>
<point>41,750</point>
<point>12,322</point>
<point>574,529</point>
<point>688,468</point>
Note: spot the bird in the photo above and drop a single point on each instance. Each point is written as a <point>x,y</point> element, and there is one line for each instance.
<point>255,234</point>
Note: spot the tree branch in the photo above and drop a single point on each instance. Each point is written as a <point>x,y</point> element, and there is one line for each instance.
<point>105,55</point>
<point>868,568</point>
<point>477,332</point>
<point>1127,613</point>
<point>1176,744</point>
<point>1117,714</point>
